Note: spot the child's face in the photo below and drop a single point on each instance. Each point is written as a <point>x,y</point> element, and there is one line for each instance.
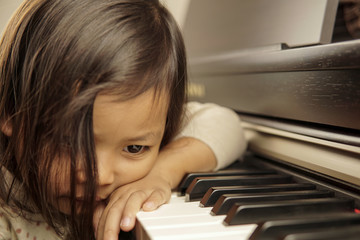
<point>127,138</point>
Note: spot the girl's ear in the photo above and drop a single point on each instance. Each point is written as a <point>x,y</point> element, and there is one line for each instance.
<point>6,127</point>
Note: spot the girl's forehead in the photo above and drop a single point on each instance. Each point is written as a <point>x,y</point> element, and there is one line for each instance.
<point>132,117</point>
<point>156,98</point>
<point>151,102</point>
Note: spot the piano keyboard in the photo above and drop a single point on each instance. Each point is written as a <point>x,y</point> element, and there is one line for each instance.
<point>247,203</point>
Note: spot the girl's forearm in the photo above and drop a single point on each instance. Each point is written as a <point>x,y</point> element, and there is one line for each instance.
<point>182,156</point>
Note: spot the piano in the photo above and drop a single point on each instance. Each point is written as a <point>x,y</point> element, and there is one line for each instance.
<point>298,96</point>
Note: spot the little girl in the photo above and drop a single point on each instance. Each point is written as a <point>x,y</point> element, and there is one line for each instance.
<point>94,121</point>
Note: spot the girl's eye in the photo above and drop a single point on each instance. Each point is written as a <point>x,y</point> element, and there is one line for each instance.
<point>134,149</point>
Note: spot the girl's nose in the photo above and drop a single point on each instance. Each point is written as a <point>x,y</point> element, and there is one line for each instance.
<point>106,175</point>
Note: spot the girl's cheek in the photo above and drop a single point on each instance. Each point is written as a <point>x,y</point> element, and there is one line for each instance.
<point>134,172</point>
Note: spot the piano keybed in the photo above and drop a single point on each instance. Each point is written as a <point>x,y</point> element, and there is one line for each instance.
<point>253,201</point>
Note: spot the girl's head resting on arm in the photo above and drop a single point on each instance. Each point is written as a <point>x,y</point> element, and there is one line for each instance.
<point>56,58</point>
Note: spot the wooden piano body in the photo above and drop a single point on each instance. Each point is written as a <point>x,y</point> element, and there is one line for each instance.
<point>300,108</point>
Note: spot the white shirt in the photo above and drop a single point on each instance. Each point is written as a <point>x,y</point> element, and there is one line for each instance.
<point>218,127</point>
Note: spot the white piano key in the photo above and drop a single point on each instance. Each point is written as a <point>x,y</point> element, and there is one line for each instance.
<point>175,209</point>
<point>168,210</point>
<point>173,222</point>
<point>176,199</point>
<point>195,230</point>
<point>186,220</point>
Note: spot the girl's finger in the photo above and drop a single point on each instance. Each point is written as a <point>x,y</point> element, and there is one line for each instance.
<point>156,199</point>
<point>107,230</point>
<point>132,207</point>
<point>97,215</point>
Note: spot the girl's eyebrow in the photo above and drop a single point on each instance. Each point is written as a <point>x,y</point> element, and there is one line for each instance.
<point>146,136</point>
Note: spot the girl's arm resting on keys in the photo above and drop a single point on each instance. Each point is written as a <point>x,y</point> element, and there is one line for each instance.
<point>211,138</point>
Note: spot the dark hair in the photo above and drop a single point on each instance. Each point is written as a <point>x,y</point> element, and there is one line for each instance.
<point>55,57</point>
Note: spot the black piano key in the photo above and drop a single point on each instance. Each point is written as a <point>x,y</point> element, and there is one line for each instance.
<point>271,230</point>
<point>200,185</point>
<point>255,213</point>
<point>213,193</point>
<point>343,233</point>
<point>227,172</point>
<point>226,201</point>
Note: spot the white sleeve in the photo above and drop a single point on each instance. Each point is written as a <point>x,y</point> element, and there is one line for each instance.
<point>218,127</point>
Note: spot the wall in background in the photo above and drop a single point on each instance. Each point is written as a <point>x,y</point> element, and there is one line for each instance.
<point>178,9</point>
<point>7,8</point>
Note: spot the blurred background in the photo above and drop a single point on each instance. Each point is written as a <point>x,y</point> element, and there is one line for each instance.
<point>7,7</point>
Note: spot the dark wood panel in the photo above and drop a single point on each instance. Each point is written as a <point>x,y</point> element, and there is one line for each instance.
<point>342,55</point>
<point>315,84</point>
<point>330,97</point>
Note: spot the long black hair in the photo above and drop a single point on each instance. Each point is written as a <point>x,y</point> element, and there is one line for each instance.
<point>55,57</point>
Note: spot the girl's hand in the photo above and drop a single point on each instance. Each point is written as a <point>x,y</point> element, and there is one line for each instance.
<point>119,214</point>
